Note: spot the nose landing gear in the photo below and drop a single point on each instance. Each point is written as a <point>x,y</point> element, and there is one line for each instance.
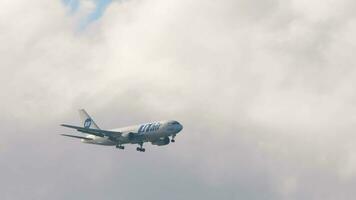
<point>119,146</point>
<point>172,140</point>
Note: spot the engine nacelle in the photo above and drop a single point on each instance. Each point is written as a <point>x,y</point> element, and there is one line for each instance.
<point>161,142</point>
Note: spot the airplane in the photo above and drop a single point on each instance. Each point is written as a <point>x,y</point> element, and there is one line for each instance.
<point>157,133</point>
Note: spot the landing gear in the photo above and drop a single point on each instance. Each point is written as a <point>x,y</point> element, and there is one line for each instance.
<point>140,148</point>
<point>172,140</point>
<point>119,146</point>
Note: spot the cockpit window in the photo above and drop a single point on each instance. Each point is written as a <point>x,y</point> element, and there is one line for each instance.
<point>174,123</point>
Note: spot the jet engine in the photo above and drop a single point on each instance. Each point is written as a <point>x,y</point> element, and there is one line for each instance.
<point>161,141</point>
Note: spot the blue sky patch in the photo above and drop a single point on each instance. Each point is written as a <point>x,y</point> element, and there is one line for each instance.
<point>100,7</point>
<point>72,4</point>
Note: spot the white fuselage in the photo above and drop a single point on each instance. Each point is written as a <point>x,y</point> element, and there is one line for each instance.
<point>147,132</point>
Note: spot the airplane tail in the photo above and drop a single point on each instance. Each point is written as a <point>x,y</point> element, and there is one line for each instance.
<point>87,121</point>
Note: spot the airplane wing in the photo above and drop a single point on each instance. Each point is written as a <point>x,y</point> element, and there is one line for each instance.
<point>113,135</point>
<point>79,137</point>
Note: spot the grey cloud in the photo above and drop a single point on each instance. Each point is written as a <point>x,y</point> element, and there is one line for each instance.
<point>265,90</point>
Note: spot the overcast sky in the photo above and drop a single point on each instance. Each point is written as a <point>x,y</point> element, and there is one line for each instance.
<point>265,90</point>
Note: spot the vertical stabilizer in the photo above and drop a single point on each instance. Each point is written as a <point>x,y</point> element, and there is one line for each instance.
<point>87,121</point>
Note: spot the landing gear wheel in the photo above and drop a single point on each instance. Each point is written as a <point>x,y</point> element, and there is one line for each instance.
<point>140,149</point>
<point>172,140</point>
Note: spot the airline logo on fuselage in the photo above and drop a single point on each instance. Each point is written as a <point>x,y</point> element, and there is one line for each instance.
<point>87,123</point>
<point>149,127</point>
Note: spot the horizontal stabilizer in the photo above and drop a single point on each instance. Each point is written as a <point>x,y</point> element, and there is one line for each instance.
<point>96,132</point>
<point>79,137</point>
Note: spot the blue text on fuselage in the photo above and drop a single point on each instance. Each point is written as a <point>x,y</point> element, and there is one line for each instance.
<point>149,127</point>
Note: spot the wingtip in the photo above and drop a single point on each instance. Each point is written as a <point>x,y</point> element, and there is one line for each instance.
<point>66,125</point>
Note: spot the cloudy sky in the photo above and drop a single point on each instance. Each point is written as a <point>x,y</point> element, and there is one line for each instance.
<point>265,90</point>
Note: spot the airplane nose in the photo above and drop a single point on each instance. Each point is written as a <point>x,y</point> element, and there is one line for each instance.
<point>180,127</point>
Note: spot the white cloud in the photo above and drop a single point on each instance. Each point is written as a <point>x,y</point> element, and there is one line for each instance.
<point>265,93</point>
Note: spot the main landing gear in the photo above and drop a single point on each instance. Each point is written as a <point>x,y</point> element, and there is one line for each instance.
<point>140,148</point>
<point>119,146</point>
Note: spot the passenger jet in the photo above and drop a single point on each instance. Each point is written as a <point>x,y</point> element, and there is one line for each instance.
<point>158,133</point>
